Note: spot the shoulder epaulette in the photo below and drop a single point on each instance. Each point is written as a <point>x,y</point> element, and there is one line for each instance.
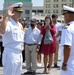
<point>65,27</point>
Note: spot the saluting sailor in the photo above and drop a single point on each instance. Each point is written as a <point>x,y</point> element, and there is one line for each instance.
<point>13,38</point>
<point>67,42</point>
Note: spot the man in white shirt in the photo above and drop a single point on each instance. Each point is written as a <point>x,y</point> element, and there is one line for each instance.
<point>58,34</point>
<point>32,42</point>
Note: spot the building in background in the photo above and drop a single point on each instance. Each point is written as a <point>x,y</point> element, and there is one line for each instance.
<point>27,6</point>
<point>55,6</point>
<point>1,12</point>
<point>37,12</point>
<point>73,3</point>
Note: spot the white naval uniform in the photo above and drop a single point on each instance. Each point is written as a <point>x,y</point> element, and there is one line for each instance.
<point>68,39</point>
<point>13,40</point>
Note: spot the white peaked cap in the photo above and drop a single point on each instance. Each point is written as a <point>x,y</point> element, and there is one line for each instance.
<point>67,8</point>
<point>17,4</point>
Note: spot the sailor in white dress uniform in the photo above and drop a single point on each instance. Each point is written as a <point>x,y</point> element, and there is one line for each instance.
<point>67,42</point>
<point>13,38</point>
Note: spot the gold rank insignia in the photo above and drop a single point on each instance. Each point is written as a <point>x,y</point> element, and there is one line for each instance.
<point>65,27</point>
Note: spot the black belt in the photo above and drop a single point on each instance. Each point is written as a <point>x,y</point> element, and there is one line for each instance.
<point>31,44</point>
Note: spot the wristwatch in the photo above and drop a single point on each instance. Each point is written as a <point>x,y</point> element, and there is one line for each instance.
<point>64,64</point>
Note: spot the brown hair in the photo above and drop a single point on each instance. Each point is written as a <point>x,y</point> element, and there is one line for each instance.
<point>39,23</point>
<point>50,20</point>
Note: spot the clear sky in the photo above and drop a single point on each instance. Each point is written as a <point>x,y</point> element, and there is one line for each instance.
<point>35,3</point>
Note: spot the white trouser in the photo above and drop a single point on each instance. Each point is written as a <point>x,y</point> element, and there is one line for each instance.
<point>12,62</point>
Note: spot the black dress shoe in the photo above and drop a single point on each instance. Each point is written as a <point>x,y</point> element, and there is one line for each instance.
<point>28,72</point>
<point>1,65</point>
<point>34,73</point>
<point>56,66</point>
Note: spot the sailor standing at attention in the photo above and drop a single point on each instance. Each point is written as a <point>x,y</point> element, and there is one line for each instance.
<point>67,42</point>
